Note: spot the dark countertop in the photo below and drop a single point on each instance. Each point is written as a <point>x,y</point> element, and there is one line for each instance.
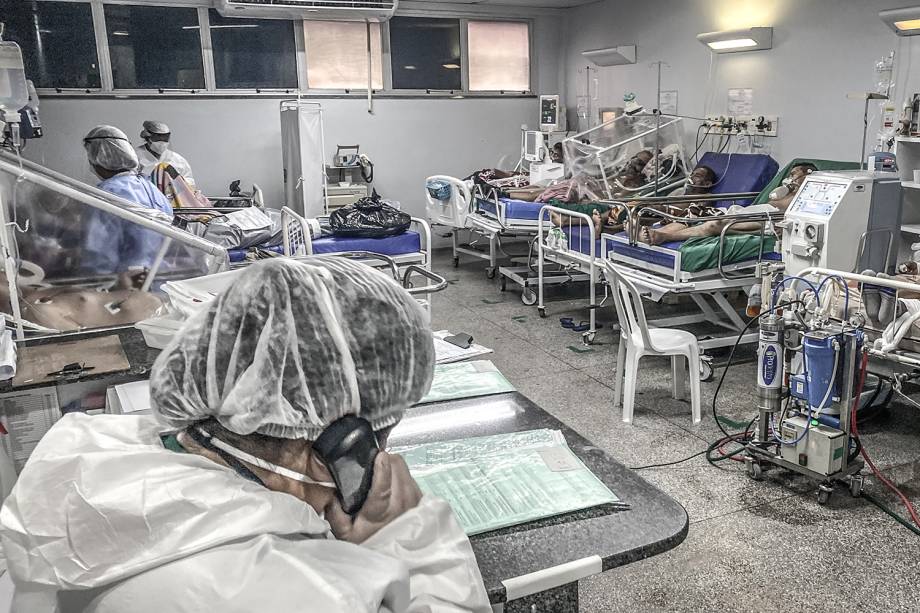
<point>654,523</point>
<point>139,355</point>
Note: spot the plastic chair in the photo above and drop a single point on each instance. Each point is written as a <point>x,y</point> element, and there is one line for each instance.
<point>637,341</point>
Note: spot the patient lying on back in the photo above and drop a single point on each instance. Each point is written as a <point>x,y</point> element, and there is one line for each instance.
<point>780,199</point>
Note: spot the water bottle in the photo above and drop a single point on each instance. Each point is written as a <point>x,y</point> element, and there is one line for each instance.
<point>14,93</point>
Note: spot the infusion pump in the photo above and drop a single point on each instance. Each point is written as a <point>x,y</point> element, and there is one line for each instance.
<point>837,217</point>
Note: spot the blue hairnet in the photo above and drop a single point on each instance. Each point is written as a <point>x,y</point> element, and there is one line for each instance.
<point>292,346</point>
<point>153,127</point>
<point>109,148</point>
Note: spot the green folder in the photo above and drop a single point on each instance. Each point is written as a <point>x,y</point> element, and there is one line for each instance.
<point>466,380</point>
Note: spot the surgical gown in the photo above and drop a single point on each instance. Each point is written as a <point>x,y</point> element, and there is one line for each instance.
<point>104,519</point>
<point>113,245</point>
<point>148,162</point>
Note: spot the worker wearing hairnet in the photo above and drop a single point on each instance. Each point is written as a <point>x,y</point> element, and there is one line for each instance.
<point>111,245</point>
<point>235,512</point>
<point>155,150</point>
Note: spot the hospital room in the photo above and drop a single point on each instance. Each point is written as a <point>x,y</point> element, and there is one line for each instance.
<point>442,306</point>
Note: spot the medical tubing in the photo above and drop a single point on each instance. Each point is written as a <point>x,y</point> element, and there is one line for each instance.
<point>846,292</point>
<point>890,512</point>
<point>795,278</point>
<point>865,454</point>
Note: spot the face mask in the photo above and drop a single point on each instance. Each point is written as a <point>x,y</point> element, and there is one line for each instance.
<point>157,147</point>
<point>787,187</point>
<point>264,465</point>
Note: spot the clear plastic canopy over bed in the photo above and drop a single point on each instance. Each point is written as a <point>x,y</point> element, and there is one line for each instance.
<point>83,258</point>
<point>609,160</point>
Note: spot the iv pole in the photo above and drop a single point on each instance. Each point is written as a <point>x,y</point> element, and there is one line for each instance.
<point>659,64</point>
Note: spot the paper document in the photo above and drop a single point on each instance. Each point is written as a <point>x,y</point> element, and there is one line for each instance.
<point>446,353</point>
<point>128,398</point>
<point>466,380</point>
<point>503,480</point>
<point>27,416</point>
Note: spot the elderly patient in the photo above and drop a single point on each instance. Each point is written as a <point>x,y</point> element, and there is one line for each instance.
<point>780,199</point>
<point>234,511</point>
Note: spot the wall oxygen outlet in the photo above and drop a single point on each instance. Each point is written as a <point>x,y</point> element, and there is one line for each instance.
<point>742,125</point>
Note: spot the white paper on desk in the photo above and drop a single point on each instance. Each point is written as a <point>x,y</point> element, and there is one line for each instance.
<point>7,356</point>
<point>446,353</point>
<point>27,415</point>
<point>128,398</point>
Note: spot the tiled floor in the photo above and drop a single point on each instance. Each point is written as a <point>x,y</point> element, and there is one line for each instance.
<point>751,546</point>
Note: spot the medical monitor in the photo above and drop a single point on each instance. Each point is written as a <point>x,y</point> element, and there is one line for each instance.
<point>534,146</point>
<point>551,113</point>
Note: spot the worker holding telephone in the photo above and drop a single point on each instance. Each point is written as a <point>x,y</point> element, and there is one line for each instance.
<point>271,491</point>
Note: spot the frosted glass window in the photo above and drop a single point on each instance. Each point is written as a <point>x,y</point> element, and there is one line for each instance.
<point>337,55</point>
<point>499,54</point>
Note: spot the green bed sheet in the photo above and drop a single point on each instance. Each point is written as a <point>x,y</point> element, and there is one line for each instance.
<point>703,253</point>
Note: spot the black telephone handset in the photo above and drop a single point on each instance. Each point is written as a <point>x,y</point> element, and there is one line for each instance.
<point>348,447</point>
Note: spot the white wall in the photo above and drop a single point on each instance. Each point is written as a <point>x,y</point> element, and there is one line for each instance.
<point>822,50</point>
<point>226,139</point>
<point>240,138</point>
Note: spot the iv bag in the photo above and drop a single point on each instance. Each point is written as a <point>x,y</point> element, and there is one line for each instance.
<point>14,93</point>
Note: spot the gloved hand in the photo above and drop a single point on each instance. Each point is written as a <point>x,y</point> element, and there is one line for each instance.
<point>393,492</point>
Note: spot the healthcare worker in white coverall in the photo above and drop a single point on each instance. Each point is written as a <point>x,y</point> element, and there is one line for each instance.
<point>233,512</point>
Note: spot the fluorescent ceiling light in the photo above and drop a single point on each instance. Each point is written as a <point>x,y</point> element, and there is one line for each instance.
<point>410,67</point>
<point>120,33</point>
<point>732,41</point>
<point>451,66</point>
<point>904,21</point>
<point>736,43</point>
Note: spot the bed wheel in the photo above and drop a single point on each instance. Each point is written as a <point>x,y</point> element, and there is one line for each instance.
<point>706,369</point>
<point>824,493</point>
<point>456,261</point>
<point>529,297</point>
<point>542,311</point>
<point>753,469</point>
<point>490,273</point>
<point>502,284</point>
<point>588,337</point>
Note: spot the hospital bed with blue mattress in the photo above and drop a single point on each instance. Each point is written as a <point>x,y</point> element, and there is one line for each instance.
<point>715,269</point>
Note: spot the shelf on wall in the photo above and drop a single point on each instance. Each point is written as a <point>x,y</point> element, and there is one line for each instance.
<point>911,228</point>
<point>907,139</point>
<point>910,185</point>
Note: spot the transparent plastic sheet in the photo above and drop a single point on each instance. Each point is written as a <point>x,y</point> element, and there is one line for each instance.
<point>617,158</point>
<point>497,481</point>
<point>71,249</point>
<point>466,380</point>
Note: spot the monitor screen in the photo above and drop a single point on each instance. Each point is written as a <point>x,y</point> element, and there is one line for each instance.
<point>549,108</point>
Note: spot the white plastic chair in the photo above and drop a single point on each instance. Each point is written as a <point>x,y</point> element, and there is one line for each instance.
<point>451,212</point>
<point>637,341</point>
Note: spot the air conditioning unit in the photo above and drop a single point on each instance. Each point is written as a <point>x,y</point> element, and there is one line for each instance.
<point>321,10</point>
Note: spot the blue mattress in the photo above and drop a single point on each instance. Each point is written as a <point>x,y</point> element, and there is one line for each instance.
<point>739,172</point>
<point>514,209</point>
<point>401,244</point>
<point>643,253</point>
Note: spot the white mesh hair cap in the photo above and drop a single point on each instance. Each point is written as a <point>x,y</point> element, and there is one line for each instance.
<point>292,346</point>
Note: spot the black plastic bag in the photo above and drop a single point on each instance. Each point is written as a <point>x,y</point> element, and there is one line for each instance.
<point>369,217</point>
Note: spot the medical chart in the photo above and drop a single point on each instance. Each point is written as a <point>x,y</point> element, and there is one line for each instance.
<point>503,480</point>
<point>466,380</point>
<point>445,352</point>
<point>27,416</point>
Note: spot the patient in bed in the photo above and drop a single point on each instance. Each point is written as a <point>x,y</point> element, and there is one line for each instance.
<point>780,199</point>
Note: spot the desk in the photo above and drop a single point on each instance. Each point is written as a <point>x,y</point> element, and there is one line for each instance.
<point>563,549</point>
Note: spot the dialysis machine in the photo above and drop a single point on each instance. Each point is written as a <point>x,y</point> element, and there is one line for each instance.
<point>811,356</point>
<point>844,220</point>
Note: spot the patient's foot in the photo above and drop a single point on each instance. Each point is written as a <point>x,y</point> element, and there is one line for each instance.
<point>651,236</point>
<point>598,223</point>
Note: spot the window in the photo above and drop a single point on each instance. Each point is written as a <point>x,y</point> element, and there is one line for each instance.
<point>154,47</point>
<point>337,55</point>
<point>57,40</point>
<point>253,53</point>
<point>499,55</point>
<point>425,53</point>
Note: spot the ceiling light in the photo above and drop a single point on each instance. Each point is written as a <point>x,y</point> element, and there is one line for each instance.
<point>732,41</point>
<point>612,56</point>
<point>904,21</point>
<point>120,33</point>
<point>451,66</point>
<point>409,67</point>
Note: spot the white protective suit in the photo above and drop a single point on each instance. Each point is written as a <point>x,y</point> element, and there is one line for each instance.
<point>148,162</point>
<point>104,519</point>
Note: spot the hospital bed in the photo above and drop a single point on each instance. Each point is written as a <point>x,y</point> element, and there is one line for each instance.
<point>658,271</point>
